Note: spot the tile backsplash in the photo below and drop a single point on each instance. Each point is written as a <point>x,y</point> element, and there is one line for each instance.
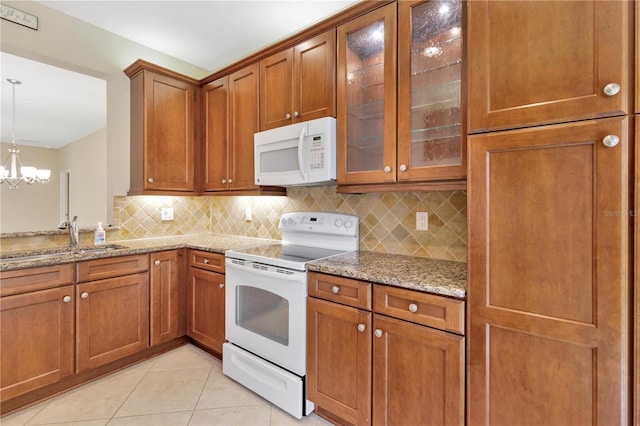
<point>387,220</point>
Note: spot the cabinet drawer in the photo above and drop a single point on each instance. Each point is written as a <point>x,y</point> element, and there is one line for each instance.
<point>99,269</point>
<point>33,279</point>
<point>206,260</point>
<point>339,289</point>
<point>422,308</point>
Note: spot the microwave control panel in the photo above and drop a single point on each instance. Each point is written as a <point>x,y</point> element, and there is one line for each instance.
<point>318,152</point>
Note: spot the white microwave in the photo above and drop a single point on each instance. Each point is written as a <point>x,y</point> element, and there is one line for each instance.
<point>301,154</point>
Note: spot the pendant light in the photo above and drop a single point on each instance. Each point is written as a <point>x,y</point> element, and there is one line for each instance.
<point>12,165</point>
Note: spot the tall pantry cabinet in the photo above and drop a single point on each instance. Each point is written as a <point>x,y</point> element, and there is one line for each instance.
<point>548,192</point>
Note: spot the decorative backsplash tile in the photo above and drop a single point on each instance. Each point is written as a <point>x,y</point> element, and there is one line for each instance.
<point>387,220</point>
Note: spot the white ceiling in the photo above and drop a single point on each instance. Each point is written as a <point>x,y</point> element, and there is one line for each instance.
<point>209,34</point>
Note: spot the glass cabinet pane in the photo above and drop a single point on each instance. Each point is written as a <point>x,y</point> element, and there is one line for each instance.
<point>365,97</point>
<point>436,63</point>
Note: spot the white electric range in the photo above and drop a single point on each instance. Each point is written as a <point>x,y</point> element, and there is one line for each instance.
<point>266,307</point>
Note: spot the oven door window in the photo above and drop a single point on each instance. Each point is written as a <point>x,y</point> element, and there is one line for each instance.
<point>263,313</point>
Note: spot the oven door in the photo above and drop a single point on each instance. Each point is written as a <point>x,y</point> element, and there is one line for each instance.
<point>266,312</point>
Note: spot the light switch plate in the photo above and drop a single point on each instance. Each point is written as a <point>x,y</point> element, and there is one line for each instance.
<point>166,213</point>
<point>422,221</point>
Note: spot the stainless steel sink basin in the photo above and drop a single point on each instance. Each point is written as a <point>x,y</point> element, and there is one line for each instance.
<point>50,254</point>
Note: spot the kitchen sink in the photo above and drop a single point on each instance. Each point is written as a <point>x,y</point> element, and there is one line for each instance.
<point>53,253</point>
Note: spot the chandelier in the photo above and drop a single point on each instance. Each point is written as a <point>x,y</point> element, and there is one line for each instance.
<point>10,168</point>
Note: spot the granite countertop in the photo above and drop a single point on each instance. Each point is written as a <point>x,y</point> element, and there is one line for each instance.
<point>445,277</point>
<point>215,243</point>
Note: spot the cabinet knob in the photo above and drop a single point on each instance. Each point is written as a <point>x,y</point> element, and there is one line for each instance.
<point>611,89</point>
<point>362,327</point>
<point>157,262</point>
<point>403,167</point>
<point>150,180</point>
<point>413,307</point>
<point>206,261</point>
<point>84,295</point>
<point>66,299</point>
<point>387,169</point>
<point>230,181</point>
<point>287,116</point>
<point>378,332</point>
<point>296,114</point>
<point>335,289</point>
<point>221,285</point>
<point>610,141</point>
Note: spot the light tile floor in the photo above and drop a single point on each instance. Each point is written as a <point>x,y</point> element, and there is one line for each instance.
<point>182,387</point>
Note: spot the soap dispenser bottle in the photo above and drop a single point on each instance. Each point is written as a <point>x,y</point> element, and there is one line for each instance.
<point>100,236</point>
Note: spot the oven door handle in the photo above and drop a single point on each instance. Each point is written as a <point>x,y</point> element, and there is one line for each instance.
<point>291,276</point>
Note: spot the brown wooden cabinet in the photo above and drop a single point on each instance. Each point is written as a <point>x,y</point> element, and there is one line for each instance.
<point>162,130</point>
<point>537,62</point>
<point>36,328</point>
<point>339,348</point>
<point>166,318</point>
<point>365,367</point>
<point>366,107</point>
<point>548,273</point>
<point>112,311</point>
<point>431,126</point>
<point>206,298</point>
<point>298,84</point>
<point>400,119</point>
<point>231,117</point>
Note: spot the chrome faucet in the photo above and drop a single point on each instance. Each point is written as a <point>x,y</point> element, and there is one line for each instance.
<point>73,232</point>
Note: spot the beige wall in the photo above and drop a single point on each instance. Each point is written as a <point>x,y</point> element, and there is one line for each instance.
<point>66,42</point>
<point>30,206</point>
<point>84,159</point>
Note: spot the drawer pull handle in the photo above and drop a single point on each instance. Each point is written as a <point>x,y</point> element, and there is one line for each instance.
<point>378,332</point>
<point>84,295</point>
<point>66,299</point>
<point>150,180</point>
<point>413,307</point>
<point>335,289</point>
<point>206,261</point>
<point>362,327</point>
<point>157,263</point>
<point>221,285</point>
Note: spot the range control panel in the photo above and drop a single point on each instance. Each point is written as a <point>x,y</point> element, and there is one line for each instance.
<point>320,223</point>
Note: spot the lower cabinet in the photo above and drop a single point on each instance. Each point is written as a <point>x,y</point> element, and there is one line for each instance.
<point>112,312</point>
<point>206,290</point>
<point>36,328</point>
<point>165,296</point>
<point>403,363</point>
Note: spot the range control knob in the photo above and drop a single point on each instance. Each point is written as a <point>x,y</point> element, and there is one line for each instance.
<point>283,221</point>
<point>338,222</point>
<point>290,221</point>
<point>348,224</point>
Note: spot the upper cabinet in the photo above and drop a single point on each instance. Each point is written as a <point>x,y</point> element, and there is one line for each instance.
<point>431,144</point>
<point>231,119</point>
<point>298,84</point>
<point>535,62</point>
<point>162,130</point>
<point>426,146</point>
<point>366,105</point>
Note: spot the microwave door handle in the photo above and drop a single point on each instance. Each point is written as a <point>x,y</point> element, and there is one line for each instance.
<point>300,159</point>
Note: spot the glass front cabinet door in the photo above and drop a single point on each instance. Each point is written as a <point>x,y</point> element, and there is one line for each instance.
<point>412,131</point>
<point>431,131</point>
<point>366,106</point>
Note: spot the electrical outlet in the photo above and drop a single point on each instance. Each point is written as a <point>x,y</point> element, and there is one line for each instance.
<point>166,213</point>
<point>247,214</point>
<point>422,221</point>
